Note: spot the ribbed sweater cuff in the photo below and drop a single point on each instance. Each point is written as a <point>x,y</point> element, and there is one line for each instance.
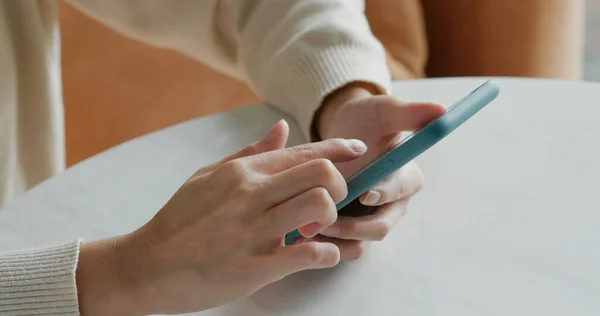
<point>317,75</point>
<point>39,281</point>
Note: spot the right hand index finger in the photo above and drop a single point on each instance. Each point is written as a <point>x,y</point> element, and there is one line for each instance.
<point>335,149</point>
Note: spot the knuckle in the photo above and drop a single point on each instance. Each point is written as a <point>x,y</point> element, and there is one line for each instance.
<point>244,189</point>
<point>325,170</point>
<point>234,168</point>
<point>320,196</point>
<point>301,153</point>
<point>323,206</point>
<point>238,176</point>
<point>329,176</point>
<point>330,217</point>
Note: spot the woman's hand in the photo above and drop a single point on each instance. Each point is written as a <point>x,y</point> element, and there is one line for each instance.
<point>220,237</point>
<point>353,112</point>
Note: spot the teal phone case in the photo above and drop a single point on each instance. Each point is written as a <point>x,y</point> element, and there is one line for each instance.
<point>414,145</point>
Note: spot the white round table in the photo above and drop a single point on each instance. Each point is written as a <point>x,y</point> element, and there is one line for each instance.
<point>507,223</point>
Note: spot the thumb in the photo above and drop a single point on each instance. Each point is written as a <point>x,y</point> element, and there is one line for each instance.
<point>395,116</point>
<point>290,259</point>
<point>275,139</point>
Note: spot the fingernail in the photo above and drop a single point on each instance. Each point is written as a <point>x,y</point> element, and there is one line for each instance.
<point>357,146</point>
<point>331,231</point>
<point>372,198</point>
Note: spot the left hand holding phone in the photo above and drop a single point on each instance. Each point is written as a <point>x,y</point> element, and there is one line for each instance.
<point>378,120</point>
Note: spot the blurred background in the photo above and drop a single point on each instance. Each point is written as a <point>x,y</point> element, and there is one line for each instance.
<point>116,89</point>
<point>592,41</point>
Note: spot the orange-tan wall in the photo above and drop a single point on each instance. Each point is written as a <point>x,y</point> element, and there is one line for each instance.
<point>116,89</point>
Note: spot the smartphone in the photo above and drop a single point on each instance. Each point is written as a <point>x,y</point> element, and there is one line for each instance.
<point>408,149</point>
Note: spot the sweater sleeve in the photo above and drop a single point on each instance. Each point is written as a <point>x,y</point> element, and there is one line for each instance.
<point>39,281</point>
<point>292,53</point>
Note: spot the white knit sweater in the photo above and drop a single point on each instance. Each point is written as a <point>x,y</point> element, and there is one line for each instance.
<point>292,53</point>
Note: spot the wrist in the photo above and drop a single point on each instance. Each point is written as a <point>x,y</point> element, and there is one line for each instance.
<point>336,100</point>
<point>103,286</point>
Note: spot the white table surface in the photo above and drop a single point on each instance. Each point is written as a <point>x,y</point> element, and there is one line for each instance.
<point>508,222</point>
